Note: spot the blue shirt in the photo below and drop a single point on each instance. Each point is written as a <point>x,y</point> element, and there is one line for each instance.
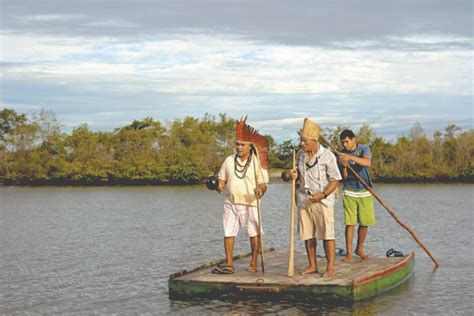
<point>351,183</point>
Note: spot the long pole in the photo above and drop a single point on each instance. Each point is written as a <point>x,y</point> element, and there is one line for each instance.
<point>291,260</point>
<point>260,240</point>
<point>412,233</point>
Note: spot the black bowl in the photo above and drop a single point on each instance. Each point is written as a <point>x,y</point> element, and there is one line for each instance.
<point>212,183</point>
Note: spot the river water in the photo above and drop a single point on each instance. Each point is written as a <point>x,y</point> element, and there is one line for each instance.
<point>105,250</point>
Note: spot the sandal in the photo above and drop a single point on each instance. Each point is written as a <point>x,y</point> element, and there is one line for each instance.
<point>223,269</point>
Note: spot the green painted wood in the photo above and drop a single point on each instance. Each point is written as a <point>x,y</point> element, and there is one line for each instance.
<point>385,282</point>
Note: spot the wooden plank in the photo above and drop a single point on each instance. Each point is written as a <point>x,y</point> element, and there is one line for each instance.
<point>276,271</point>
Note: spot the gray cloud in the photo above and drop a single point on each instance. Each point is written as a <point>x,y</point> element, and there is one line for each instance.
<point>287,22</point>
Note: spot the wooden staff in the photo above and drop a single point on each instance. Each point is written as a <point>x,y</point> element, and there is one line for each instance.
<point>412,233</point>
<point>260,240</point>
<point>291,260</point>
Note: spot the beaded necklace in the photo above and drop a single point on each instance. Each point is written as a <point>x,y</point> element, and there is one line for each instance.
<point>241,170</point>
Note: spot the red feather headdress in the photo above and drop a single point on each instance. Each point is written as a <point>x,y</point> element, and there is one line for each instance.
<point>246,133</point>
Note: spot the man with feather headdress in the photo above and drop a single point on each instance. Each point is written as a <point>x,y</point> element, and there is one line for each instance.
<point>245,177</point>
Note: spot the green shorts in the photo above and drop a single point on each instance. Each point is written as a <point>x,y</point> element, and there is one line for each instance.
<point>358,209</point>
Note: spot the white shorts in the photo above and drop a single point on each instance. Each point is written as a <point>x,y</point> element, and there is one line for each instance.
<point>316,220</point>
<point>238,216</point>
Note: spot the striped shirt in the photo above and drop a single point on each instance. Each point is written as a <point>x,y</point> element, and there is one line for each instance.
<point>361,193</point>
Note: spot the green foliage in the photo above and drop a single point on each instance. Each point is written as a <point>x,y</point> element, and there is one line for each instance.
<point>281,155</point>
<point>143,152</point>
<point>34,151</point>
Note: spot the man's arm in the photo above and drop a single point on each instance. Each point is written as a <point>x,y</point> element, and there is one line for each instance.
<point>330,188</point>
<point>222,175</point>
<point>365,161</point>
<point>344,172</point>
<point>262,183</point>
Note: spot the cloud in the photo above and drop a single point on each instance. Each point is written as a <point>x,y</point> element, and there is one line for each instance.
<point>216,64</point>
<point>110,62</point>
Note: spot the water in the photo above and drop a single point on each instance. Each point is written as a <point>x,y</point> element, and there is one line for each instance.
<point>111,249</point>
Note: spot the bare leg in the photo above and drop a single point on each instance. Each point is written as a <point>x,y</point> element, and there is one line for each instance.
<point>349,237</point>
<point>361,234</point>
<point>255,245</point>
<point>229,250</point>
<point>310,245</point>
<point>330,250</point>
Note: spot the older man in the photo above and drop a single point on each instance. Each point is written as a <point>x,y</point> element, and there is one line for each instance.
<point>318,177</point>
<point>245,178</point>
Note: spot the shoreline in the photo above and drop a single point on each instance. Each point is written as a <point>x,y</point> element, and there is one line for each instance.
<point>272,180</point>
<point>274,176</point>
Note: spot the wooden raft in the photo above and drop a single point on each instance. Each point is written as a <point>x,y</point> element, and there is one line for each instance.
<point>353,282</point>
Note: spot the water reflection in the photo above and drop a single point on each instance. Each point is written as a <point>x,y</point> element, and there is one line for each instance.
<point>253,307</point>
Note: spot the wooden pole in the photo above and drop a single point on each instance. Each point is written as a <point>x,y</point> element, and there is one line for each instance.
<point>260,240</point>
<point>412,233</point>
<point>291,260</point>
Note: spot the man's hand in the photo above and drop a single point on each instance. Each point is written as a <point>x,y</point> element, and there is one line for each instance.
<point>316,197</point>
<point>344,159</point>
<point>220,186</point>
<point>289,174</point>
<point>260,190</point>
<point>365,161</point>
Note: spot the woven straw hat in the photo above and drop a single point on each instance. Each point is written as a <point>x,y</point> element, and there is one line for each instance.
<point>310,130</point>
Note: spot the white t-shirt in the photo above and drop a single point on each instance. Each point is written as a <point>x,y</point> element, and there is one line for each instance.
<point>241,191</point>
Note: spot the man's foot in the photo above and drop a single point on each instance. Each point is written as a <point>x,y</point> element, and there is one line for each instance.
<point>309,270</point>
<point>329,273</point>
<point>361,254</point>
<point>252,269</point>
<point>347,259</point>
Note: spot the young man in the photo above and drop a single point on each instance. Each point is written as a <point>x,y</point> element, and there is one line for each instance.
<point>318,177</point>
<point>245,178</point>
<point>358,203</point>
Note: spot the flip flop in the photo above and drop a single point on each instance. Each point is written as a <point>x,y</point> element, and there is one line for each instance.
<point>340,252</point>
<point>394,253</point>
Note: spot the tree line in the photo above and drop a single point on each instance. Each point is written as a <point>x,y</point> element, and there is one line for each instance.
<point>34,151</point>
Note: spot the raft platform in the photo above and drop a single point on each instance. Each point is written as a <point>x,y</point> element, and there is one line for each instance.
<point>353,282</point>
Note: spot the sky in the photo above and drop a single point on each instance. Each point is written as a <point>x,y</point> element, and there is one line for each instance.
<point>389,64</point>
